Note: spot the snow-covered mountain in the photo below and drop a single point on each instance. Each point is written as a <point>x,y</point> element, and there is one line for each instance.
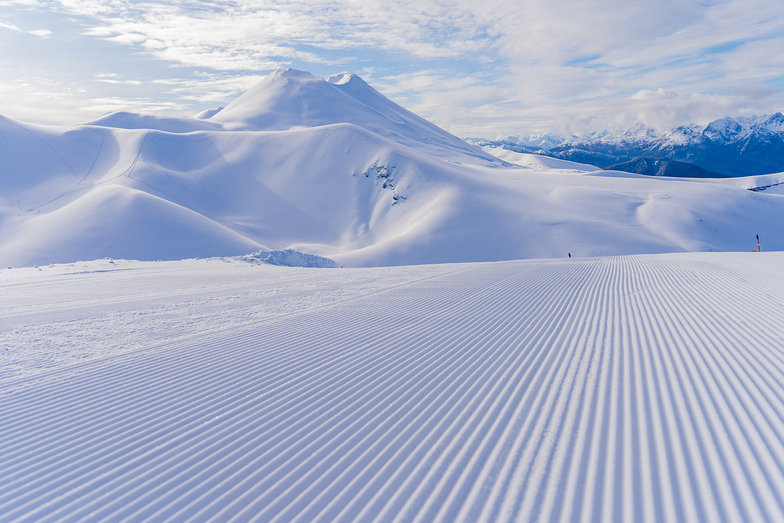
<point>730,146</point>
<point>584,386</point>
<point>664,167</point>
<point>289,100</point>
<point>533,142</point>
<point>334,168</point>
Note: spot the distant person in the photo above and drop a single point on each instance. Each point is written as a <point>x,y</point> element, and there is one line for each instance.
<point>570,255</point>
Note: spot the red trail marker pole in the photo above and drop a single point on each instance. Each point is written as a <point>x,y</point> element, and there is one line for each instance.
<point>759,249</point>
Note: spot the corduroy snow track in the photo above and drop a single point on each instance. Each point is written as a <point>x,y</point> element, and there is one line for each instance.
<point>637,388</point>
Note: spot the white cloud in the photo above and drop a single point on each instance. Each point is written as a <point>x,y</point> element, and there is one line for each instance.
<point>497,66</point>
<point>140,105</point>
<point>9,26</point>
<point>44,33</point>
<point>661,109</point>
<point>210,88</point>
<point>471,107</point>
<point>119,82</point>
<point>261,34</point>
<point>115,79</point>
<point>40,100</point>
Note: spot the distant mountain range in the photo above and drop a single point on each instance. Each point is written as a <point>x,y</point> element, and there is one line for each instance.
<point>728,147</point>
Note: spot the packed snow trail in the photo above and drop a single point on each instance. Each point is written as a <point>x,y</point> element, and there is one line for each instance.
<point>640,388</point>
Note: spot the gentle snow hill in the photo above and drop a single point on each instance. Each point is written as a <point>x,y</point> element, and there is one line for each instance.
<point>638,388</point>
<point>336,169</point>
<point>169,124</point>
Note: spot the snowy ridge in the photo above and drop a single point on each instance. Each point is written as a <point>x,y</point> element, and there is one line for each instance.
<point>727,129</point>
<point>644,388</point>
<point>730,146</point>
<point>634,136</point>
<point>735,129</point>
<point>334,168</point>
<point>168,124</point>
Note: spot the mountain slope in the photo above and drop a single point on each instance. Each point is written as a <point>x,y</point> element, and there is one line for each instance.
<point>657,167</point>
<point>335,168</point>
<point>289,99</point>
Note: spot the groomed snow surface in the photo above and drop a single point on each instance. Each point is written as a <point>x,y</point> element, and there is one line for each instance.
<point>634,388</point>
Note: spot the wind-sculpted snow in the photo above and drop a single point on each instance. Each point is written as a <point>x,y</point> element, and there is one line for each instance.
<point>641,388</point>
<point>334,168</point>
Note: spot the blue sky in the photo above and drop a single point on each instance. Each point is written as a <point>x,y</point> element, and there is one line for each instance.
<point>489,68</point>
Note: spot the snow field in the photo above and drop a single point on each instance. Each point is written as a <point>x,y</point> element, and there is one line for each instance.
<point>643,388</point>
<point>332,167</point>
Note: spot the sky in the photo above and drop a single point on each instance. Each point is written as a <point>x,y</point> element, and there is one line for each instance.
<point>486,69</point>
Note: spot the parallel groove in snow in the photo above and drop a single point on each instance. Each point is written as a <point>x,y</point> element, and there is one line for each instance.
<point>644,388</point>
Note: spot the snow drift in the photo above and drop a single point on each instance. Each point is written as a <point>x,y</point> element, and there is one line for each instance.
<point>334,168</point>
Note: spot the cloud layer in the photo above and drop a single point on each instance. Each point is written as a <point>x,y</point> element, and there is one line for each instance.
<point>477,68</point>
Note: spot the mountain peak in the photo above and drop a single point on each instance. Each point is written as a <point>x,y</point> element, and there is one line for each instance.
<point>287,73</point>
<point>288,99</point>
<point>723,129</point>
<point>343,78</point>
<point>774,123</point>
